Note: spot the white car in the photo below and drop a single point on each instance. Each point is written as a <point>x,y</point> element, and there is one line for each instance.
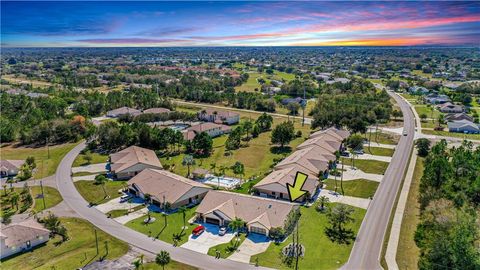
<point>222,231</point>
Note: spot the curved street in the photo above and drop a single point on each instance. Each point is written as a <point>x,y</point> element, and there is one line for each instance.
<point>76,202</point>
<point>367,248</point>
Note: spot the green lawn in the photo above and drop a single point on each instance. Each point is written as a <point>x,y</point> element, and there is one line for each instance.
<point>122,212</point>
<point>160,231</point>
<point>378,151</point>
<point>383,138</point>
<point>226,249</point>
<point>430,112</point>
<point>94,193</point>
<point>82,174</point>
<point>251,84</point>
<point>73,254</point>
<point>96,158</point>
<point>368,166</point>
<point>361,188</point>
<point>173,265</point>
<point>45,166</point>
<point>51,195</point>
<point>408,252</point>
<point>320,252</point>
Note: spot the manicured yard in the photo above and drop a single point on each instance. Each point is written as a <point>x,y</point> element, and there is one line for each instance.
<point>251,84</point>
<point>320,252</point>
<point>122,212</point>
<point>51,195</point>
<point>384,138</point>
<point>94,193</point>
<point>96,158</point>
<point>159,230</point>
<point>361,188</point>
<point>173,265</point>
<point>45,166</point>
<point>378,151</point>
<point>430,112</point>
<point>82,174</point>
<point>226,249</point>
<point>408,252</point>
<point>73,254</point>
<point>368,166</point>
<point>452,134</point>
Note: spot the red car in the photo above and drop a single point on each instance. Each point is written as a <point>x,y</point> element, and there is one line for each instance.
<point>198,230</point>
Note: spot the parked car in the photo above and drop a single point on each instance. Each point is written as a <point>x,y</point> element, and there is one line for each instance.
<point>124,198</point>
<point>345,154</point>
<point>222,231</point>
<point>359,152</point>
<point>198,230</point>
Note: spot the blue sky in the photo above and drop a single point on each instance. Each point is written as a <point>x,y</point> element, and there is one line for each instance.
<point>94,24</point>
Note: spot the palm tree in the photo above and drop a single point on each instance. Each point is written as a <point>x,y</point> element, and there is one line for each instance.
<point>188,161</point>
<point>14,199</point>
<point>138,262</point>
<point>101,180</point>
<point>183,210</point>
<point>213,166</point>
<point>323,200</point>
<point>236,225</point>
<point>162,258</point>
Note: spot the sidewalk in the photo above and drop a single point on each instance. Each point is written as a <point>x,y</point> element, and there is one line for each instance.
<point>338,198</point>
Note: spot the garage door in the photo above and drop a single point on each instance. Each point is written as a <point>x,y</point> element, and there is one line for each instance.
<point>212,221</point>
<point>258,230</point>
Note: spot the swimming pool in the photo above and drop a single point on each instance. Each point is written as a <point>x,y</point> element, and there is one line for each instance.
<point>225,182</point>
<point>179,126</point>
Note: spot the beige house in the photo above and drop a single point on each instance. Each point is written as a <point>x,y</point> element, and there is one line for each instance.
<point>156,110</point>
<point>131,161</point>
<point>213,130</point>
<point>339,134</point>
<point>275,184</point>
<point>123,111</point>
<point>259,214</point>
<point>325,141</point>
<point>164,186</point>
<point>20,237</point>
<point>311,160</point>
<point>10,167</point>
<point>219,116</point>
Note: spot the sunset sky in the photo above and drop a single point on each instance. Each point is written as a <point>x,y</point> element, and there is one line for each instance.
<point>95,24</point>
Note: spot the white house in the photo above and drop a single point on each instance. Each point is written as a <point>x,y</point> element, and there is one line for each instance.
<point>20,237</point>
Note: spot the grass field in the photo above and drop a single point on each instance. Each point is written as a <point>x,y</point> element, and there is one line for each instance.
<point>122,212</point>
<point>73,254</point>
<point>159,230</point>
<point>379,151</point>
<point>361,188</point>
<point>320,251</point>
<point>384,138</point>
<point>430,112</point>
<point>368,166</point>
<point>173,265</point>
<point>452,134</point>
<point>23,80</point>
<point>45,166</point>
<point>226,248</point>
<point>94,193</point>
<point>96,158</point>
<point>408,252</point>
<point>251,84</point>
<point>51,195</point>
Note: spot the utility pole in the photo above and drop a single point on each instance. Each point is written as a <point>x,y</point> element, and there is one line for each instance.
<point>43,195</point>
<point>96,240</point>
<point>297,248</point>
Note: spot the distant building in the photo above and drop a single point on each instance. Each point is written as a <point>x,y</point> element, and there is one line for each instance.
<point>156,110</point>
<point>458,116</point>
<point>212,129</point>
<point>21,237</point>
<point>219,116</point>
<point>451,108</point>
<point>164,186</point>
<point>418,90</point>
<point>463,126</point>
<point>131,161</point>
<point>287,101</point>
<point>123,111</point>
<point>435,98</point>
<point>10,167</point>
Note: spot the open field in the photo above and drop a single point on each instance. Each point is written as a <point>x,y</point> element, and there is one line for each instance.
<point>22,80</point>
<point>384,138</point>
<point>94,193</point>
<point>452,134</point>
<point>51,195</point>
<point>75,253</point>
<point>430,112</point>
<point>96,158</point>
<point>368,166</point>
<point>378,151</point>
<point>45,166</point>
<point>361,188</point>
<point>320,251</point>
<point>162,231</point>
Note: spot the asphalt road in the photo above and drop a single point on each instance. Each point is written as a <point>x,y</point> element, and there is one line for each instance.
<point>367,248</point>
<point>74,200</point>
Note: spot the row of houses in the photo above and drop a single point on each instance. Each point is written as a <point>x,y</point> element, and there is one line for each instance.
<point>134,112</point>
<point>313,157</point>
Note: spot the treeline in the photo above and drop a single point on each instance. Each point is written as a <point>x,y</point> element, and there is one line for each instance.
<point>354,105</point>
<point>449,197</point>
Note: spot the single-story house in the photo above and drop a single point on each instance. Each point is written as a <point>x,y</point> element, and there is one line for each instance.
<point>164,186</point>
<point>260,214</point>
<point>212,129</point>
<point>219,116</point>
<point>435,98</point>
<point>418,90</point>
<point>463,126</point>
<point>450,108</point>
<point>287,101</point>
<point>10,167</point>
<point>131,161</point>
<point>156,110</point>
<point>274,185</point>
<point>458,116</point>
<point>123,111</point>
<point>340,134</point>
<point>325,141</point>
<point>20,237</point>
<point>312,160</point>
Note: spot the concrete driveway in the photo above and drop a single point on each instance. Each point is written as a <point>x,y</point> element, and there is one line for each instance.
<point>92,168</point>
<point>115,204</point>
<point>209,238</point>
<point>253,244</point>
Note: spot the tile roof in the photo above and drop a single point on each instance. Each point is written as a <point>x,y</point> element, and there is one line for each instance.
<point>19,233</point>
<point>131,156</point>
<point>10,164</point>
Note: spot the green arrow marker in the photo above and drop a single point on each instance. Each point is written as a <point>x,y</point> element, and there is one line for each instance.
<point>296,190</point>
